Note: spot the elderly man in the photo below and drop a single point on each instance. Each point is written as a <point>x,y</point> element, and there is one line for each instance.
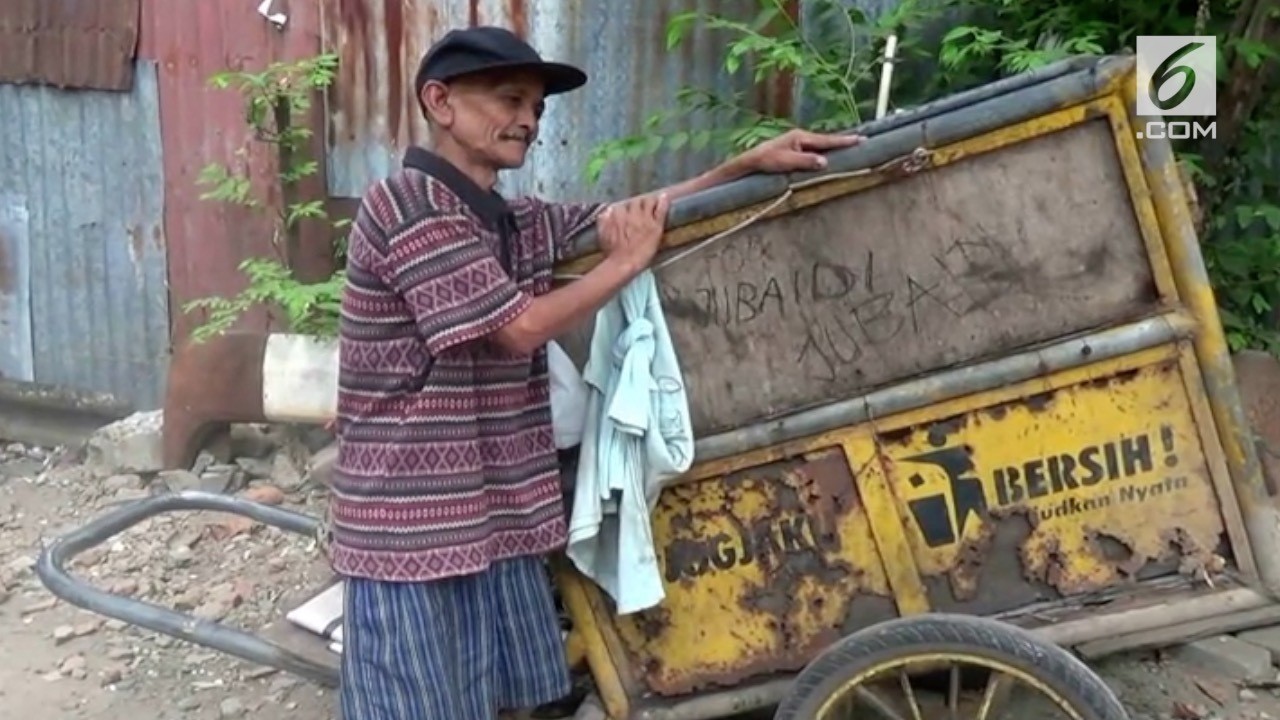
<point>447,491</point>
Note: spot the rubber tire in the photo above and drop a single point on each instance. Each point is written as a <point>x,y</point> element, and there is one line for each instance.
<point>854,654</point>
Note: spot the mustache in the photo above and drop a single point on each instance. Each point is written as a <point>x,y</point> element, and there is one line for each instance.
<point>524,137</point>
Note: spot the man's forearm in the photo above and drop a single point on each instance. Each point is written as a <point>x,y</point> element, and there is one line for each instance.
<point>551,315</point>
<point>721,174</point>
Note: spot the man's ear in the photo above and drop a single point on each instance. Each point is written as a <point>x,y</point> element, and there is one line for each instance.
<point>435,103</point>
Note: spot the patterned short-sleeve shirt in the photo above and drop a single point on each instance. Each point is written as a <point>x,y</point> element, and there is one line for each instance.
<point>446,459</point>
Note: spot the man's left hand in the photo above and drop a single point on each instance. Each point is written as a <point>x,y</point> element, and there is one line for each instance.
<point>794,151</point>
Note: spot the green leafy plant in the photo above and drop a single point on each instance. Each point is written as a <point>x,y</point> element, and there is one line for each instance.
<point>1242,236</point>
<point>276,102</point>
<point>836,57</point>
<point>968,45</point>
<point>1005,37</point>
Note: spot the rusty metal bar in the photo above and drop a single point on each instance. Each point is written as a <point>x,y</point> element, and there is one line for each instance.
<point>957,117</point>
<point>1212,604</point>
<point>51,568</point>
<point>1261,515</point>
<point>913,394</point>
<point>722,704</point>
<point>1186,632</point>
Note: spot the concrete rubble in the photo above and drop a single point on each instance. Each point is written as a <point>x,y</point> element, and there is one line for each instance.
<point>1266,638</point>
<point>1230,656</point>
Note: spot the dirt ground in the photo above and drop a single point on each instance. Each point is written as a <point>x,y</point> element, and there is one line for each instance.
<point>59,662</point>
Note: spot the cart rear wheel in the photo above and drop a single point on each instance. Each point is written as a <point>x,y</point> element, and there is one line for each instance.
<point>973,664</point>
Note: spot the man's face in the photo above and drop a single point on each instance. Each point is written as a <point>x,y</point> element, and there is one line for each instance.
<point>493,116</point>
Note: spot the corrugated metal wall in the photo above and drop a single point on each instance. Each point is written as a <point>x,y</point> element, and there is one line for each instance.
<point>192,40</point>
<point>621,44</point>
<point>17,355</point>
<point>69,43</point>
<point>83,296</point>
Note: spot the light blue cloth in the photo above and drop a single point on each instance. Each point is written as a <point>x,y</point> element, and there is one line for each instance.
<point>637,435</point>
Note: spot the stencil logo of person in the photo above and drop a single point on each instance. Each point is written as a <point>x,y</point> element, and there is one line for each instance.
<point>942,517</point>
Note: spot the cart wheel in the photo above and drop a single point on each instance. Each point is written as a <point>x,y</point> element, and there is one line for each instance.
<point>947,666</point>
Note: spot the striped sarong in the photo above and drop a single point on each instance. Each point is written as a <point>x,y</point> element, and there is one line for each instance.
<point>455,649</point>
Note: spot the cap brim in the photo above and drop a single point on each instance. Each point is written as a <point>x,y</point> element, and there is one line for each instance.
<point>561,78</point>
<point>557,77</point>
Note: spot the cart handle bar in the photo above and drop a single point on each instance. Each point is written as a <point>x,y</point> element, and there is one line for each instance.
<point>51,569</point>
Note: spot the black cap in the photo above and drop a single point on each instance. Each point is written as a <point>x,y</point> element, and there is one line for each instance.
<point>462,52</point>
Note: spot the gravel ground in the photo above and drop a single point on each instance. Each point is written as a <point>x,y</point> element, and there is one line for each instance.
<point>60,662</point>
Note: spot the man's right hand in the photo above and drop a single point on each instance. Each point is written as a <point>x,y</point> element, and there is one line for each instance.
<point>631,230</point>
<point>630,233</point>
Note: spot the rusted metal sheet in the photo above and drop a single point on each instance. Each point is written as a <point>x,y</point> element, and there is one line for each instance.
<point>81,202</point>
<point>968,261</point>
<point>763,568</point>
<point>622,46</point>
<point>1058,493</point>
<point>69,43</point>
<point>192,41</point>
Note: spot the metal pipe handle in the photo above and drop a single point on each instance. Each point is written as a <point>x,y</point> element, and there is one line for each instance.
<point>51,569</point>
